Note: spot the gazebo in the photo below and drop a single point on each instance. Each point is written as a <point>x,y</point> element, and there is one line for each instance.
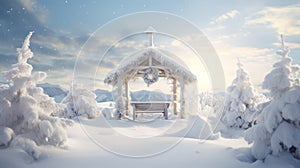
<point>150,63</point>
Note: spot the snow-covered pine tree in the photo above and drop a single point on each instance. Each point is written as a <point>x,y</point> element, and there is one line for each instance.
<point>278,127</point>
<point>240,101</point>
<point>25,111</point>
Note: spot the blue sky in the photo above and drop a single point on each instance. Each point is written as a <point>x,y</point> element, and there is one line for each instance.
<point>236,28</point>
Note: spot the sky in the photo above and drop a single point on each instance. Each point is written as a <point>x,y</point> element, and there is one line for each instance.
<point>240,29</point>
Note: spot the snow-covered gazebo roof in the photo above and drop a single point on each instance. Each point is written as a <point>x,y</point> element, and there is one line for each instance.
<point>168,65</point>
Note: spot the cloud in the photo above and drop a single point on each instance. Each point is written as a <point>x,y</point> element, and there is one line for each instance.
<point>286,20</point>
<point>257,61</point>
<point>226,16</point>
<point>29,4</point>
<point>288,44</point>
<point>176,43</point>
<point>7,59</point>
<point>33,7</point>
<point>214,28</point>
<point>47,45</point>
<point>107,64</point>
<point>246,52</point>
<point>254,45</point>
<point>56,42</point>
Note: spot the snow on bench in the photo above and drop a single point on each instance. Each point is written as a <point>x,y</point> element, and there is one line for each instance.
<point>150,107</point>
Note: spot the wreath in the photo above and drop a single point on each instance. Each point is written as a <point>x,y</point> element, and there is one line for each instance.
<point>150,76</point>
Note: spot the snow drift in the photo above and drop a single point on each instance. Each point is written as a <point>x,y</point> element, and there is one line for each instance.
<point>197,128</point>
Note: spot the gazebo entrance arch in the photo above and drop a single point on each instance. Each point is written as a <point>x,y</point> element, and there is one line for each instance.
<point>150,63</point>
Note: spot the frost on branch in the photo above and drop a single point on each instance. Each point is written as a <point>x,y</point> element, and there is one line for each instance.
<point>278,128</point>
<point>25,111</point>
<point>240,102</point>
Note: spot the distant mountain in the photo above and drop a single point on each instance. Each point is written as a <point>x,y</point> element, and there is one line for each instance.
<point>3,85</point>
<point>51,90</point>
<point>54,91</point>
<point>103,95</point>
<point>143,95</point>
<point>58,94</point>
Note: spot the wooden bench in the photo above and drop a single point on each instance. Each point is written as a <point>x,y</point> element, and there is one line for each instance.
<point>150,107</point>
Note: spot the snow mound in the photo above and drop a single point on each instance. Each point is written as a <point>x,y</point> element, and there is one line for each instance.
<point>244,155</point>
<point>197,128</point>
<point>28,145</point>
<point>6,136</point>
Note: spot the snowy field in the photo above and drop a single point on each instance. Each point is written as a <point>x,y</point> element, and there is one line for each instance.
<point>83,149</point>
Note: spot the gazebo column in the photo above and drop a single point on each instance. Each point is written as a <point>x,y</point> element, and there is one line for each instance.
<point>174,96</point>
<point>119,99</point>
<point>126,98</point>
<point>182,100</point>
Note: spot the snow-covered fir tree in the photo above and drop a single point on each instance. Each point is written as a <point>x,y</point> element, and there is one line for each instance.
<point>25,111</point>
<point>240,101</point>
<point>80,102</point>
<point>278,127</point>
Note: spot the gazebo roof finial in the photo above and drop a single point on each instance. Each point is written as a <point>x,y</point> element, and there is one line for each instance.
<point>151,31</point>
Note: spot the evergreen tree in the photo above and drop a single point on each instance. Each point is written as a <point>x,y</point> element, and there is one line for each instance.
<point>25,111</point>
<point>240,101</point>
<point>278,127</point>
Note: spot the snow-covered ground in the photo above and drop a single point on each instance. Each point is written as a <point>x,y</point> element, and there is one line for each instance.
<point>32,135</point>
<point>124,143</point>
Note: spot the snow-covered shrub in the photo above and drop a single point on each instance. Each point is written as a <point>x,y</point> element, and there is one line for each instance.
<point>108,113</point>
<point>25,110</point>
<point>240,101</point>
<point>80,101</point>
<point>278,126</point>
<point>211,104</point>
